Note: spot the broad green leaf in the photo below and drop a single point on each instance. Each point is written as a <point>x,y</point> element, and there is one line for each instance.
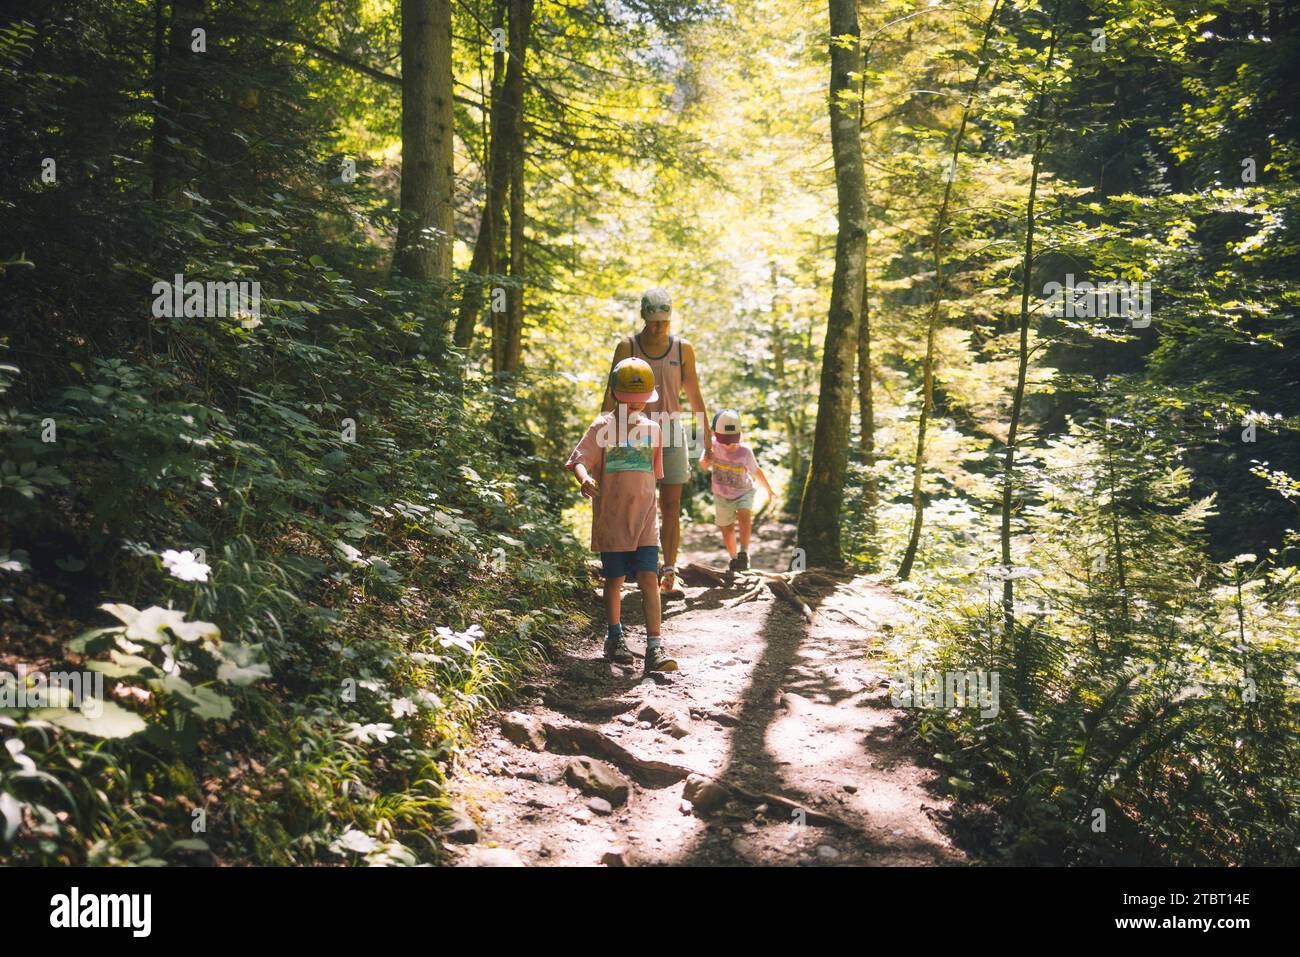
<point>113,721</point>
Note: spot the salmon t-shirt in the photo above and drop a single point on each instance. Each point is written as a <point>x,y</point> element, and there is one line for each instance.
<point>625,467</point>
<point>732,467</point>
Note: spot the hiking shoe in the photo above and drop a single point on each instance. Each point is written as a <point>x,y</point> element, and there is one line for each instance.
<point>733,565</point>
<point>616,649</point>
<point>668,583</point>
<point>741,562</point>
<point>656,659</point>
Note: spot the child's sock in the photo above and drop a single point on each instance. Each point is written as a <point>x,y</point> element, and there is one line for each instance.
<point>651,641</point>
<point>615,632</point>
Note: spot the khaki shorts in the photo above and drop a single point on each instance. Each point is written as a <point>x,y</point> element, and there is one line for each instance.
<point>726,508</point>
<point>677,464</point>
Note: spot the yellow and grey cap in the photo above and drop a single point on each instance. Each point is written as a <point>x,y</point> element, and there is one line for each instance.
<point>632,380</point>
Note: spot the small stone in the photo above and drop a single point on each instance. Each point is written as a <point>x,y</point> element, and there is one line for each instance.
<point>675,727</point>
<point>626,719</point>
<point>649,713</point>
<point>598,779</point>
<point>704,793</point>
<point>827,853</point>
<point>524,730</point>
<point>851,788</point>
<point>644,725</point>
<point>760,810</point>
<point>600,806</point>
<point>497,857</point>
<point>618,857</point>
<point>462,829</point>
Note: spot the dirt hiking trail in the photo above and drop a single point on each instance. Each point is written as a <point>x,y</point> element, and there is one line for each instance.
<point>774,744</point>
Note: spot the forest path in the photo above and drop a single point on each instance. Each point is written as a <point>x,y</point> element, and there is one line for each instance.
<point>792,719</point>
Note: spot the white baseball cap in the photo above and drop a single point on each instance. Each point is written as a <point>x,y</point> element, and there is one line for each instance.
<point>726,422</point>
<point>656,300</point>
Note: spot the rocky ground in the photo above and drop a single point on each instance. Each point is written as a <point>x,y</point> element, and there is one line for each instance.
<point>775,744</point>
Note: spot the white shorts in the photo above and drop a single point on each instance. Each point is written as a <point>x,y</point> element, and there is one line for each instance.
<point>726,508</point>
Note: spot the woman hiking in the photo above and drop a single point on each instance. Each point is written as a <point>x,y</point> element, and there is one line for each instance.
<point>673,361</point>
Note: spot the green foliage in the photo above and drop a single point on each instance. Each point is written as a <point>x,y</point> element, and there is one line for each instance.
<point>376,568</point>
<point>382,525</point>
<point>1142,679</point>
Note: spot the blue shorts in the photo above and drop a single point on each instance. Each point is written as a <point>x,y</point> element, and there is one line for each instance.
<point>627,564</point>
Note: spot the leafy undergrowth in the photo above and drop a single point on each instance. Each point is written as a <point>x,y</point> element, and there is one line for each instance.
<point>321,543</point>
<point>292,699</point>
<point>300,569</point>
<point>1147,709</point>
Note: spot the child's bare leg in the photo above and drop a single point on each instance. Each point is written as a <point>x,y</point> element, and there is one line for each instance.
<point>649,584</point>
<point>614,600</point>
<point>745,517</point>
<point>729,539</point>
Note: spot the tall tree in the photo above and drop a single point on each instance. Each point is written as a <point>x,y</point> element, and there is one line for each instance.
<point>424,235</point>
<point>505,130</point>
<point>866,398</point>
<point>819,513</point>
<point>1022,357</point>
<point>867,416</point>
<point>521,16</point>
<point>937,246</point>
<point>173,86</point>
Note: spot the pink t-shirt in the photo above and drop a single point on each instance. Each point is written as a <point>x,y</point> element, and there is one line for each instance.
<point>733,466</point>
<point>624,515</point>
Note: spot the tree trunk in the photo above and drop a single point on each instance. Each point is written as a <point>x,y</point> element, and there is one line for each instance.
<point>1018,399</point>
<point>424,234</point>
<point>867,414</point>
<point>927,386</point>
<point>794,458</point>
<point>819,513</point>
<point>506,109</point>
<point>521,15</point>
<point>172,90</point>
<point>483,261</point>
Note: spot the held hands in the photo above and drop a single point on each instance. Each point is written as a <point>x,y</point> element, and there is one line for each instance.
<point>589,487</point>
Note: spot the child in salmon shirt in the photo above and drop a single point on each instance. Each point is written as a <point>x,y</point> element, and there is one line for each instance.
<point>734,470</point>
<point>618,462</point>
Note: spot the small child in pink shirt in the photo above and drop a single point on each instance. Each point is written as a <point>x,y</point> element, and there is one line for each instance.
<point>734,471</point>
<point>618,462</point>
